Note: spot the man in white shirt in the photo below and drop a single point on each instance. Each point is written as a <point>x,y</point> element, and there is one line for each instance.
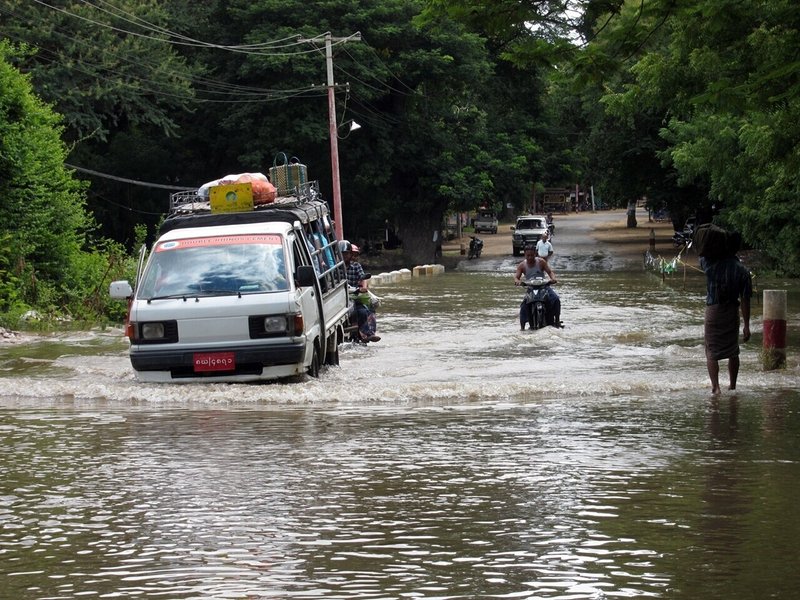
<point>544,249</point>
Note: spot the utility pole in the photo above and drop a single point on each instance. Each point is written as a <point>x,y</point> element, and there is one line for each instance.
<point>338,221</point>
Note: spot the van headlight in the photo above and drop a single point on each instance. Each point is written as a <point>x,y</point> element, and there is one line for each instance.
<point>155,332</point>
<point>152,331</point>
<point>264,326</point>
<point>274,324</point>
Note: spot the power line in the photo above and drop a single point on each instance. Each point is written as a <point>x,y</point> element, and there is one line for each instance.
<point>126,180</point>
<point>180,41</point>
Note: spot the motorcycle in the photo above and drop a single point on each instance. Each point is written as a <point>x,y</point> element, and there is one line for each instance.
<point>682,239</point>
<point>475,247</point>
<point>362,299</point>
<point>535,294</point>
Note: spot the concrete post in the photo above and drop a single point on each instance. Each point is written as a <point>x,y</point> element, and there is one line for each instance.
<point>774,329</point>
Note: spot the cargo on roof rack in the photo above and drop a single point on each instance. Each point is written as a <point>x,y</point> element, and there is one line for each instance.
<point>191,209</point>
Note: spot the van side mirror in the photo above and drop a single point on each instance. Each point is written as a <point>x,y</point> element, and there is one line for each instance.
<point>120,290</point>
<point>306,276</point>
<point>513,228</point>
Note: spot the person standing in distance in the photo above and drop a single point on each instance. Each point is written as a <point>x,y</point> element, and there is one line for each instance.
<point>729,287</point>
<point>544,248</point>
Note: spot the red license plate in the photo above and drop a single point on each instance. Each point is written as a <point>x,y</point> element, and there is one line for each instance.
<point>214,361</point>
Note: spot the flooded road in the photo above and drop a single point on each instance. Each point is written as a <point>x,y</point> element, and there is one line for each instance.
<point>457,458</point>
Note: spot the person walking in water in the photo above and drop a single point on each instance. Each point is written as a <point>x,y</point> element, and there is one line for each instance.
<point>534,266</point>
<point>729,287</point>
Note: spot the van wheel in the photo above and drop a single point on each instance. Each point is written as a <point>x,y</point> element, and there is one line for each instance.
<point>332,356</point>
<point>313,368</point>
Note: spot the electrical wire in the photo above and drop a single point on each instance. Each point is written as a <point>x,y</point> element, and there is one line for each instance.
<point>129,208</point>
<point>94,70</point>
<point>239,49</point>
<point>136,20</point>
<point>126,180</point>
<point>380,60</point>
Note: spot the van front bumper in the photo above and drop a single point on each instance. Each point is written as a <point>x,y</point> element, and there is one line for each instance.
<point>249,360</point>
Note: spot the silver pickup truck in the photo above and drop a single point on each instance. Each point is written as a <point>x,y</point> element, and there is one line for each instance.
<point>486,220</point>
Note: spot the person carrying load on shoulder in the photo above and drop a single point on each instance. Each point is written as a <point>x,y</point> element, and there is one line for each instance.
<point>357,281</point>
<point>729,287</point>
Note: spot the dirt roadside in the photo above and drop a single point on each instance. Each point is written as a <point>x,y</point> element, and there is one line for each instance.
<point>606,227</point>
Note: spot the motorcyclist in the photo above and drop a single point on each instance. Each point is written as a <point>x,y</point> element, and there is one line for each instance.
<point>475,247</point>
<point>532,267</point>
<point>356,280</point>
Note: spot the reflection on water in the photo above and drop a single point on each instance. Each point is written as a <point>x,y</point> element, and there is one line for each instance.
<point>458,458</point>
<point>588,499</point>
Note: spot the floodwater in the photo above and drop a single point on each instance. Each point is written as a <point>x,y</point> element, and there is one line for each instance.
<point>457,458</point>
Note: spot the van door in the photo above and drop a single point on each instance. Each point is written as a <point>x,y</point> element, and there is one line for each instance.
<point>308,301</point>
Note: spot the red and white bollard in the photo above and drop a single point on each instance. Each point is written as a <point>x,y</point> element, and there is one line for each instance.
<point>774,329</point>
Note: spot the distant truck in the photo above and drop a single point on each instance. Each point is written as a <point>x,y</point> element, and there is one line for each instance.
<point>527,230</point>
<point>485,221</point>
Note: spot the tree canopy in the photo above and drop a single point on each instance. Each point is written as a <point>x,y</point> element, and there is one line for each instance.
<point>691,104</point>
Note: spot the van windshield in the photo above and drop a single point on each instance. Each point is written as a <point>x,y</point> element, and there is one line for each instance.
<point>214,266</point>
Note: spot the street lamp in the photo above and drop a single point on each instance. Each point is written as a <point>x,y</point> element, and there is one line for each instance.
<point>351,127</point>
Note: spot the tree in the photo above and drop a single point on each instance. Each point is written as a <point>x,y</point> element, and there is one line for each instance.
<point>42,216</point>
<point>417,93</point>
<point>724,79</point>
<point>103,67</point>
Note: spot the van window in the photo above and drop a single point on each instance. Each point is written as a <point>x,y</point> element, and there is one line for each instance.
<point>213,266</point>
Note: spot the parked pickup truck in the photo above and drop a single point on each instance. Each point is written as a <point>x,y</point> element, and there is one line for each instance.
<point>486,220</point>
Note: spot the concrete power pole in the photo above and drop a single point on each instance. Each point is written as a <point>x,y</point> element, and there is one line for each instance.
<point>333,128</point>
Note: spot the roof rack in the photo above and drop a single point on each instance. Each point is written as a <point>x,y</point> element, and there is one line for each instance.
<point>192,202</point>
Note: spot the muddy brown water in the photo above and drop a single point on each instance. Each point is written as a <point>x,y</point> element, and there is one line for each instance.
<point>457,458</point>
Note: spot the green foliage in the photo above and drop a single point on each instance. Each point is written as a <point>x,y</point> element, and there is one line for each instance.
<point>100,78</point>
<point>43,223</point>
<point>10,295</point>
<point>694,105</point>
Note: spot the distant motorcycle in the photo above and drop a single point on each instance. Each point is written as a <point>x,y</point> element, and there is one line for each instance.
<point>475,247</point>
<point>681,239</point>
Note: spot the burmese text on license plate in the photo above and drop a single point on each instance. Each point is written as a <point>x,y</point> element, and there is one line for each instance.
<point>214,361</point>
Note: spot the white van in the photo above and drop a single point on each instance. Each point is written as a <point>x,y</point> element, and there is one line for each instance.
<point>238,296</point>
